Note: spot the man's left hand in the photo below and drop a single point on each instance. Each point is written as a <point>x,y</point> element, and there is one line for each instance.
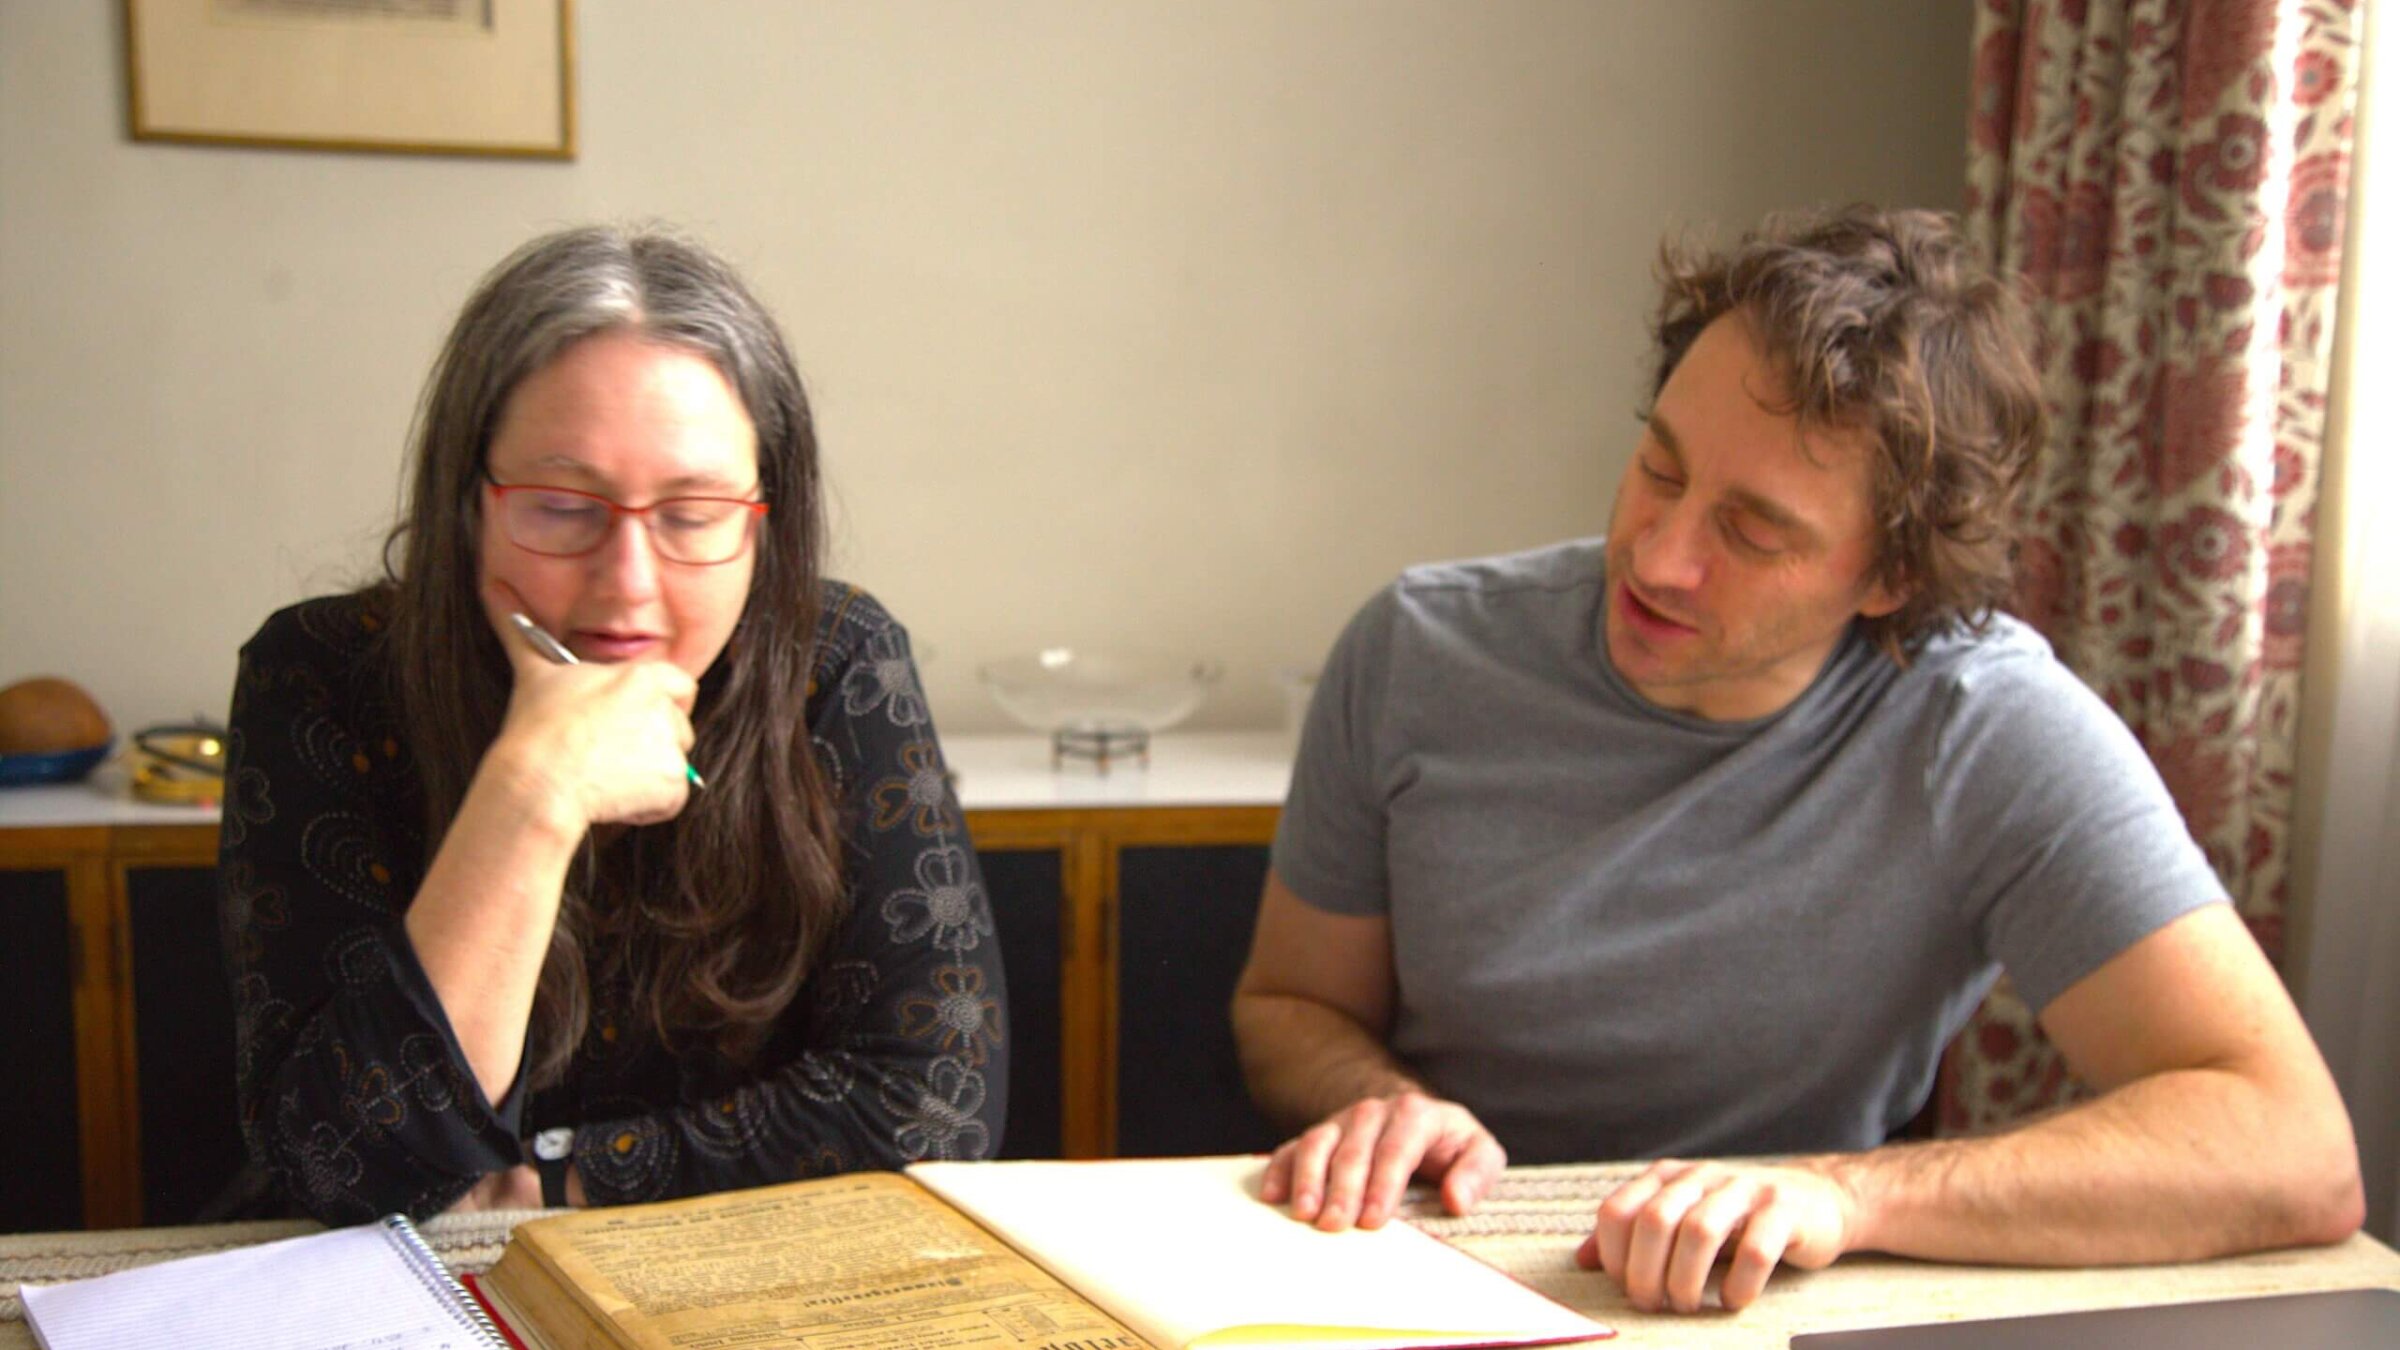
<point>1660,1234</point>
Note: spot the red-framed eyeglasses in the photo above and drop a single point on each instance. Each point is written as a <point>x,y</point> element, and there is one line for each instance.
<point>561,522</point>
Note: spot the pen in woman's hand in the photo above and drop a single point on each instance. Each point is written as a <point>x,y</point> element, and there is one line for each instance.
<point>540,640</point>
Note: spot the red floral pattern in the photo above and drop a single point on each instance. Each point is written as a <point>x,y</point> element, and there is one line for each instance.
<point>2312,224</point>
<point>2168,183</point>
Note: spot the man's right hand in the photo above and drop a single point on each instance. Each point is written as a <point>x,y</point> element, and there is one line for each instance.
<point>1353,1166</point>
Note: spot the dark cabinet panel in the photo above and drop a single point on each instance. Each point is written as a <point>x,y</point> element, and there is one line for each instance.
<point>41,1180</point>
<point>183,1042</point>
<point>1027,889</point>
<point>1184,916</point>
<point>163,1143</point>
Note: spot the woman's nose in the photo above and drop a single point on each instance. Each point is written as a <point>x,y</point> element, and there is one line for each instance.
<point>627,559</point>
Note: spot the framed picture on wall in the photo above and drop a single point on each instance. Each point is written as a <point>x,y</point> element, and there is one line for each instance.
<point>448,77</point>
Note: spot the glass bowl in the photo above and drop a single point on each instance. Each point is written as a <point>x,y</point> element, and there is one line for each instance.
<point>1099,704</point>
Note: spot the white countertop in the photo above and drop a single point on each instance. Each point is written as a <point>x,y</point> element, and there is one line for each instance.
<point>993,773</point>
<point>101,799</point>
<point>1201,768</point>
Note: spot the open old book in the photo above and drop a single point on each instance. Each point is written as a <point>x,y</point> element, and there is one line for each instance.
<point>1173,1254</point>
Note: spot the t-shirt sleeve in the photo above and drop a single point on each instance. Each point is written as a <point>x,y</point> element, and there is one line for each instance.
<point>2067,846</point>
<point>1329,843</point>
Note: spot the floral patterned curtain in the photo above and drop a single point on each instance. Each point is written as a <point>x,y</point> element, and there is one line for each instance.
<point>2166,178</point>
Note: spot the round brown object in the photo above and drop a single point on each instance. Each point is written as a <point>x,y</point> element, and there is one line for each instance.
<point>44,715</point>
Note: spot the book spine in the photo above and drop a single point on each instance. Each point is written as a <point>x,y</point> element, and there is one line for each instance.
<point>437,1279</point>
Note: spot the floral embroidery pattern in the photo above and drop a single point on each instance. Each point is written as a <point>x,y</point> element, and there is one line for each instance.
<point>885,678</point>
<point>351,1095</point>
<point>825,1161</point>
<point>957,1014</point>
<point>828,1077</point>
<point>938,1117</point>
<point>360,959</point>
<point>247,800</point>
<point>259,1019</point>
<point>920,794</point>
<point>947,902</point>
<point>339,852</point>
<point>2171,198</point>
<point>432,1078</point>
<point>373,1099</point>
<point>627,1159</point>
<point>729,1126</point>
<point>328,1167</point>
<point>329,752</point>
<point>250,908</point>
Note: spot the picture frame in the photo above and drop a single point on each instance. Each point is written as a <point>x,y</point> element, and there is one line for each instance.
<point>415,77</point>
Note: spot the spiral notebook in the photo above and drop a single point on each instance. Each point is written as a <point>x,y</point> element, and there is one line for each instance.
<point>377,1285</point>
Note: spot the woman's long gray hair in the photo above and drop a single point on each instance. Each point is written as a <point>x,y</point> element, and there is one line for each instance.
<point>714,919</point>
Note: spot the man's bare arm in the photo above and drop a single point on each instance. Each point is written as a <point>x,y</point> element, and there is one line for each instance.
<point>2217,1130</point>
<point>1310,1013</point>
<point>1312,1007</point>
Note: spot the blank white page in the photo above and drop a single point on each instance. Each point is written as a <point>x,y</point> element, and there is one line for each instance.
<point>1183,1251</point>
<point>347,1289</point>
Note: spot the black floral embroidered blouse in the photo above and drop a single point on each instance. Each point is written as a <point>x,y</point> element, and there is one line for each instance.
<point>355,1097</point>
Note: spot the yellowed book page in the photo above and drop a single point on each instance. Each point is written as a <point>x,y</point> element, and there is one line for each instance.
<point>1184,1252</point>
<point>545,1314</point>
<point>520,1321</point>
<point>864,1262</point>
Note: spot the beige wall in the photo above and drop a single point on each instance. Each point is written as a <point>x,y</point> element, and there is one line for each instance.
<point>1173,324</point>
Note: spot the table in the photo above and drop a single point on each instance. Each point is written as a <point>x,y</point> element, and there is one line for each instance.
<point>1528,1226</point>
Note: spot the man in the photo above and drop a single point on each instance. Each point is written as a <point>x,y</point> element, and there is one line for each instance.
<point>1702,840</point>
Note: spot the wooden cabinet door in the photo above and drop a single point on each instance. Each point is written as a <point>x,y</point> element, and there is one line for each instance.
<point>1184,915</point>
<point>1027,889</point>
<point>41,1180</point>
<point>191,1143</point>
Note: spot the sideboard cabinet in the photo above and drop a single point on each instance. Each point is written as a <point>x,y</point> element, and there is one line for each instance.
<point>1124,903</point>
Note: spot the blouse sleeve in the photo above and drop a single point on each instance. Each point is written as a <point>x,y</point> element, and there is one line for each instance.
<point>350,1083</point>
<point>901,1050</point>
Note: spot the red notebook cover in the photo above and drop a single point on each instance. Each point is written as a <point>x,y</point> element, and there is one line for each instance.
<point>508,1333</point>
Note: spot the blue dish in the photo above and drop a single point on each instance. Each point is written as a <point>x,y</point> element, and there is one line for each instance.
<point>57,766</point>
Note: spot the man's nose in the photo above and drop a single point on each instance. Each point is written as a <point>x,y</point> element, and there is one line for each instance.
<point>1670,550</point>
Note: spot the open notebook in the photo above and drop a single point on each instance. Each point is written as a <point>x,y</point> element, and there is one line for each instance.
<point>1182,1251</point>
<point>377,1285</point>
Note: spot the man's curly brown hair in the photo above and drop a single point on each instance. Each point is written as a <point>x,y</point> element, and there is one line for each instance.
<point>1880,321</point>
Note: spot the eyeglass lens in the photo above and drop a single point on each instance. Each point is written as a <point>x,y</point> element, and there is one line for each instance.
<point>682,529</point>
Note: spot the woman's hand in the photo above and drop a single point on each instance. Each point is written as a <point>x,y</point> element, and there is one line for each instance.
<point>596,744</point>
<point>518,1187</point>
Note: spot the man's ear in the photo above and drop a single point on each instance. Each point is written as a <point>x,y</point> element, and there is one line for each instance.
<point>1883,597</point>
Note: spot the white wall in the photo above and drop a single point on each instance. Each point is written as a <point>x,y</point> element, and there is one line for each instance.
<point>1149,321</point>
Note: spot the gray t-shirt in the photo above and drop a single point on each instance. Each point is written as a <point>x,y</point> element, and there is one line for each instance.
<point>1625,932</point>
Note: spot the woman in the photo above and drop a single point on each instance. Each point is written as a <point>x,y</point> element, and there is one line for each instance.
<point>691,911</point>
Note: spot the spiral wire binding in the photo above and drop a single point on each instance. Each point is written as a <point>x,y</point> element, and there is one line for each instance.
<point>438,1280</point>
